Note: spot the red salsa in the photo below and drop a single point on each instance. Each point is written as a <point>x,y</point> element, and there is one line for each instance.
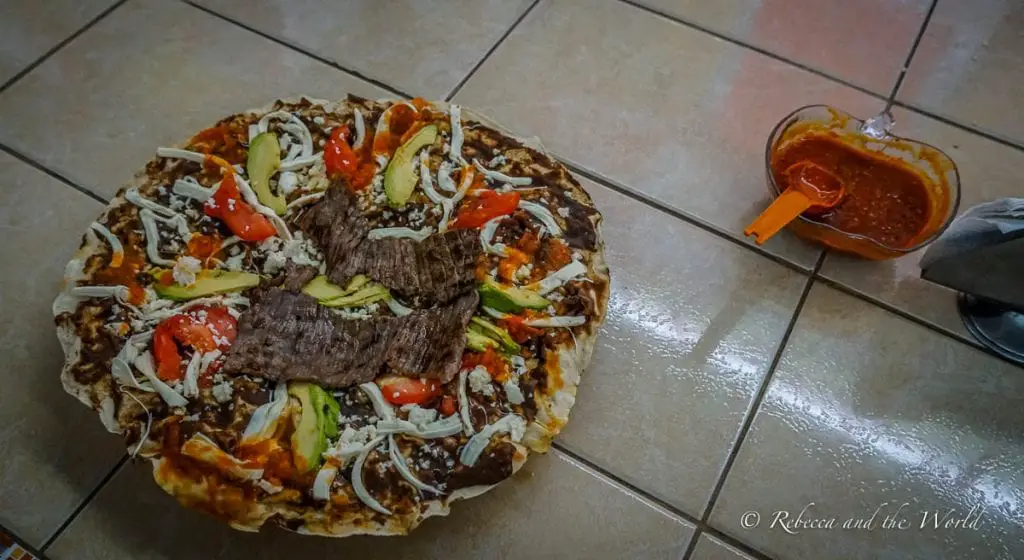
<point>885,200</point>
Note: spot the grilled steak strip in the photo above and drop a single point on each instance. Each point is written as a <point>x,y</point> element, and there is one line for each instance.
<point>433,271</point>
<point>287,336</point>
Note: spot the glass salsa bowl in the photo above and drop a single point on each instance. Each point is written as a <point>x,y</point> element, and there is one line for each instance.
<point>943,178</point>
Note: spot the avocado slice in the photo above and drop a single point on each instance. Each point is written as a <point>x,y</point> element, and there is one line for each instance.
<point>365,296</point>
<point>264,160</point>
<point>489,329</point>
<point>322,289</point>
<point>509,298</point>
<point>400,178</point>
<point>479,342</point>
<point>356,283</point>
<point>317,423</point>
<point>209,282</point>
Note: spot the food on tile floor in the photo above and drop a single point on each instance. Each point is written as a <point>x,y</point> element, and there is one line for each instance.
<point>337,317</point>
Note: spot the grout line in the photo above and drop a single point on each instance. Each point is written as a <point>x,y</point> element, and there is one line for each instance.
<point>913,318</point>
<point>752,47</point>
<point>679,215</point>
<point>910,55</point>
<point>81,506</point>
<point>302,50</point>
<point>39,166</point>
<point>490,51</point>
<point>688,552</point>
<point>60,45</point>
<point>701,526</point>
<point>965,127</point>
<point>755,406</point>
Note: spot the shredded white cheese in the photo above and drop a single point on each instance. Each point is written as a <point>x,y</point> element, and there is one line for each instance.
<point>499,177</point>
<point>543,215</point>
<point>400,232</point>
<point>357,116</point>
<point>116,248</point>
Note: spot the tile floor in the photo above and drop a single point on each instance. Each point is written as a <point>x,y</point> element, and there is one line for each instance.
<point>729,379</point>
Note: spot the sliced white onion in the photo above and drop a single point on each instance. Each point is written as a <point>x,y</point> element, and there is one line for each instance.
<point>543,214</point>
<point>398,460</point>
<point>357,116</point>
<point>148,219</point>
<point>116,249</point>
<point>203,449</point>
<point>269,487</point>
<point>306,199</point>
<point>264,124</point>
<point>254,131</point>
<point>495,313</point>
<point>380,405</point>
<point>263,422</point>
<point>192,375</point>
<point>427,183</point>
<point>511,423</point>
<point>207,360</point>
<point>400,232</point>
<point>565,321</point>
<point>119,292</point>
<point>175,153</point>
<point>487,233</point>
<point>513,392</point>
<point>357,478</point>
<point>149,424</point>
<point>192,189</point>
<point>467,422</point>
<point>444,427</point>
<point>324,479</point>
<point>500,177</point>
<point>455,112</point>
<point>444,177</point>
<point>397,308</point>
<point>144,363</point>
<point>298,129</point>
<point>133,196</point>
<point>559,277</point>
<point>250,197</point>
<point>294,151</point>
<point>300,162</point>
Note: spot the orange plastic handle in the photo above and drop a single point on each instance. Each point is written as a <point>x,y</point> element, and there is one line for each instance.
<point>785,209</point>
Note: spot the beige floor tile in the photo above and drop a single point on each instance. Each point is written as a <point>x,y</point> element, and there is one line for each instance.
<point>554,509</point>
<point>867,411</point>
<point>693,324</point>
<point>421,47</point>
<point>988,170</point>
<point>666,110</point>
<point>863,42</point>
<point>970,66</point>
<point>29,28</point>
<point>152,73</point>
<point>710,548</point>
<point>54,450</point>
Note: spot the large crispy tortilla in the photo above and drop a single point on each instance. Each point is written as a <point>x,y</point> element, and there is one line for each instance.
<point>93,384</point>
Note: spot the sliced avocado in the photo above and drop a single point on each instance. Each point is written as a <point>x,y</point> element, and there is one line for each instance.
<point>479,342</point>
<point>308,439</point>
<point>322,289</point>
<point>365,296</point>
<point>264,160</point>
<point>509,298</point>
<point>400,178</point>
<point>489,329</point>
<point>356,283</point>
<point>209,282</point>
<point>331,409</point>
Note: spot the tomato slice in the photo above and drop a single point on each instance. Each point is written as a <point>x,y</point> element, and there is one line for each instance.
<point>227,205</point>
<point>485,207</point>
<point>339,159</point>
<point>405,390</point>
<point>202,328</point>
<point>165,351</point>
